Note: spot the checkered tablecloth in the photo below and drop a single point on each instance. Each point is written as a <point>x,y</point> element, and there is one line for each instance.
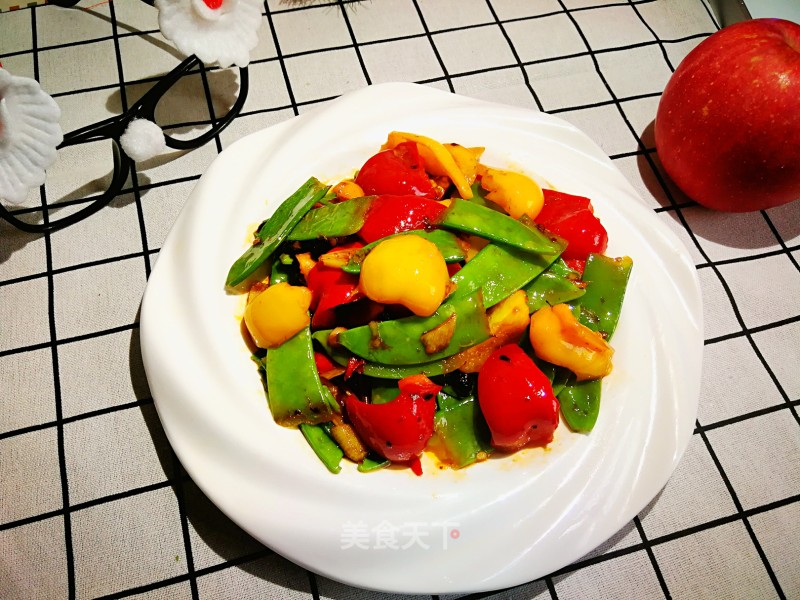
<point>94,503</point>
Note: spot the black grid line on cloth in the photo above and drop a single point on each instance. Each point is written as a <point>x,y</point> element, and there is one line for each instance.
<point>781,242</point>
<point>742,259</point>
<point>744,417</point>
<point>149,587</point>
<point>130,492</point>
<point>436,52</point>
<point>79,417</point>
<point>177,469</point>
<point>312,583</point>
<point>75,338</point>
<point>285,56</point>
<point>515,54</point>
<point>59,412</point>
<point>356,46</point>
<point>281,58</point>
<point>576,566</point>
<point>125,190</point>
<point>648,547</point>
<point>740,509</point>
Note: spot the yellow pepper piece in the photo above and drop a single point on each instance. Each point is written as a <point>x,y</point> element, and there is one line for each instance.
<point>407,270</point>
<point>516,193</point>
<point>437,159</point>
<point>509,318</point>
<point>277,314</point>
<point>347,190</point>
<point>305,263</point>
<point>466,159</point>
<point>558,337</point>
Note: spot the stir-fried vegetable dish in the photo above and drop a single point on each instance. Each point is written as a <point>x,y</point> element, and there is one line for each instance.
<point>430,303</point>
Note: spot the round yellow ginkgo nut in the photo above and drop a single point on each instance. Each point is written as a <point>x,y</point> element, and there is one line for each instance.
<point>408,270</point>
<point>277,314</point>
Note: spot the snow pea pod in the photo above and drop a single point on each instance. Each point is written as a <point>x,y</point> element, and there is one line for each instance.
<point>373,463</point>
<point>580,404</point>
<point>606,279</point>
<point>294,391</point>
<point>556,285</point>
<point>470,217</point>
<point>600,307</point>
<point>275,229</point>
<point>333,220</point>
<point>463,433</point>
<point>500,271</point>
<point>323,446</point>
<point>398,342</point>
<point>446,242</point>
<point>279,273</point>
<point>342,357</point>
<point>479,198</point>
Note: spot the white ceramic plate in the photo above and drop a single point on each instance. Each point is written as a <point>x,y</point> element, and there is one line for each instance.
<point>496,524</point>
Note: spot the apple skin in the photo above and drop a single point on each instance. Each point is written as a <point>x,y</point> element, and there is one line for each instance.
<point>727,128</point>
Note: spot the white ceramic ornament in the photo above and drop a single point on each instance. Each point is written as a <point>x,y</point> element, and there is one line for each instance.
<point>216,31</point>
<point>29,135</point>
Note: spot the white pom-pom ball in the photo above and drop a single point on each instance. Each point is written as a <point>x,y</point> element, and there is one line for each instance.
<point>143,140</point>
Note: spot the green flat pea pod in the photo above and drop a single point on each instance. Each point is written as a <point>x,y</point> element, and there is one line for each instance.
<point>500,271</point>
<point>479,198</point>
<point>373,463</point>
<point>398,342</point>
<point>606,280</point>
<point>279,272</point>
<point>382,394</point>
<point>446,242</point>
<point>275,229</point>
<point>580,404</point>
<point>341,357</point>
<point>599,307</point>
<point>333,220</point>
<point>463,433</point>
<point>446,401</point>
<point>470,217</point>
<point>327,450</point>
<point>294,391</point>
<point>555,286</point>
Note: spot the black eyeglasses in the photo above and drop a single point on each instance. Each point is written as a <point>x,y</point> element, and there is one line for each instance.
<point>113,128</point>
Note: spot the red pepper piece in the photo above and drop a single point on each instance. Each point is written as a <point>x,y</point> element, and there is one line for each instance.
<point>398,430</point>
<point>558,205</point>
<point>571,218</point>
<point>575,264</point>
<point>419,386</point>
<point>324,364</point>
<point>330,287</point>
<point>392,214</point>
<point>397,171</point>
<point>517,400</point>
<point>354,365</point>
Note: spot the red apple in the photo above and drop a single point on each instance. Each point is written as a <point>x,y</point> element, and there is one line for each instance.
<point>728,124</point>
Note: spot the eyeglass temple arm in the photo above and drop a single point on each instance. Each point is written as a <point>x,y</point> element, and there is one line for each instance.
<point>115,126</point>
<point>71,3</point>
<point>244,86</point>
